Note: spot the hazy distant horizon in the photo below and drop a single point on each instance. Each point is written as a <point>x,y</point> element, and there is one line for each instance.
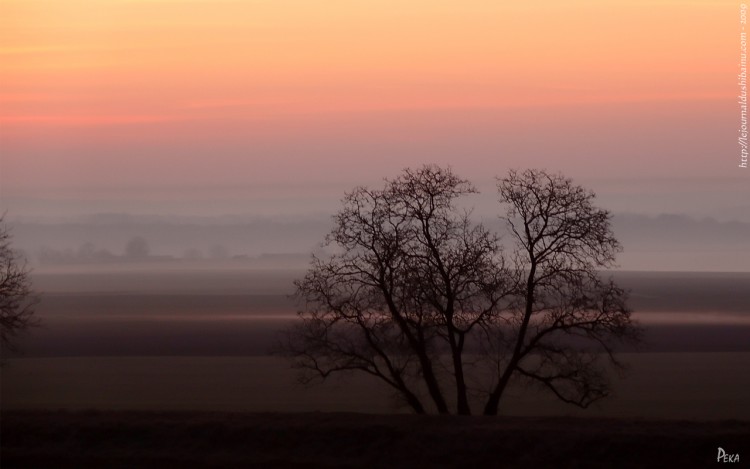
<point>271,111</point>
<point>664,242</point>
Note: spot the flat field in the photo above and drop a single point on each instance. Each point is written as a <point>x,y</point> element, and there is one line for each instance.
<point>323,440</point>
<point>170,368</point>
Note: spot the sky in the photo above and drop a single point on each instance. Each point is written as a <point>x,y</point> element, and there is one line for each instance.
<point>278,106</point>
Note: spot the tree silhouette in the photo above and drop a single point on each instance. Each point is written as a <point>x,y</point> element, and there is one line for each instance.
<point>137,248</point>
<point>16,298</point>
<point>568,317</point>
<point>423,299</point>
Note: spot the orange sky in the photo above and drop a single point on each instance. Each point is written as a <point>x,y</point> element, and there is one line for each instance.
<point>145,93</point>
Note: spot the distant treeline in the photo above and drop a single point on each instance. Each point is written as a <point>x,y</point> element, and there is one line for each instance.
<point>96,240</point>
<point>138,250</point>
<point>648,240</point>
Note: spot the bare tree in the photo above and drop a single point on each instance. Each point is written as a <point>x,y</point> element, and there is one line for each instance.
<point>16,297</point>
<point>419,296</point>
<point>569,318</point>
<point>137,249</point>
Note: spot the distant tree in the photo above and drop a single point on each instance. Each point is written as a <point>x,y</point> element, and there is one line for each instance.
<point>49,255</point>
<point>219,252</point>
<point>420,297</point>
<point>16,297</point>
<point>137,249</point>
<point>89,253</point>
<point>86,253</point>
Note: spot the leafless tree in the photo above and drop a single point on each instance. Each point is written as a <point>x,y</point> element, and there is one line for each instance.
<point>418,296</point>
<point>137,249</point>
<point>16,297</point>
<point>569,317</point>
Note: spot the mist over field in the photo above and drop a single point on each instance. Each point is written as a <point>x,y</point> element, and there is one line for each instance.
<point>167,311</point>
<point>661,242</point>
<point>197,336</point>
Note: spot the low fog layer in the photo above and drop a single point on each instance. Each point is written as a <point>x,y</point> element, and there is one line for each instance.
<point>240,312</point>
<point>664,242</point>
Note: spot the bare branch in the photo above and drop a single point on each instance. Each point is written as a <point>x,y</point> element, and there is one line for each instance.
<point>17,300</point>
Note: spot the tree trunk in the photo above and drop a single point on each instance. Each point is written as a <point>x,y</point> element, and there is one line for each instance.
<point>432,384</point>
<point>494,399</point>
<point>418,345</point>
<point>462,401</point>
<point>493,402</point>
<point>413,402</point>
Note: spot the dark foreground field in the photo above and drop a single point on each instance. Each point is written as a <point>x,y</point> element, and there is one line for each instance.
<point>233,440</point>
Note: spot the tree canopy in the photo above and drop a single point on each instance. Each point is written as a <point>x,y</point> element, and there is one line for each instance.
<point>421,297</point>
